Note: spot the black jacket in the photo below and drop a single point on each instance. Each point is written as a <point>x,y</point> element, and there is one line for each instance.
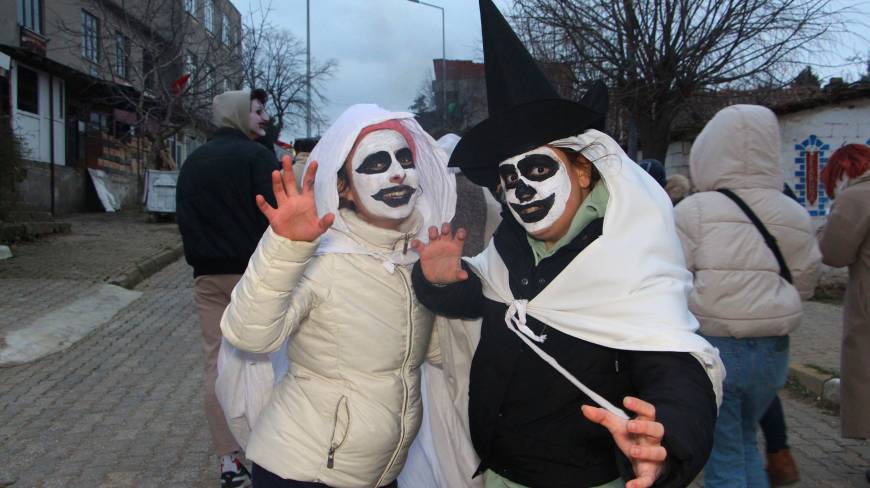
<point>526,422</point>
<point>215,202</point>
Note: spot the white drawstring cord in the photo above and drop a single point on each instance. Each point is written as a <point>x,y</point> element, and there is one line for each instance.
<point>516,315</point>
<point>515,318</point>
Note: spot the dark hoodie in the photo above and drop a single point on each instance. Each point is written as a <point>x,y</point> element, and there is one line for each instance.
<point>216,209</point>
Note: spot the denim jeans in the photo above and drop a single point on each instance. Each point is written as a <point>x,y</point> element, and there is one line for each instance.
<point>756,368</point>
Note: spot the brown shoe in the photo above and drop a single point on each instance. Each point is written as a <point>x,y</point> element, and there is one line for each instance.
<point>781,468</point>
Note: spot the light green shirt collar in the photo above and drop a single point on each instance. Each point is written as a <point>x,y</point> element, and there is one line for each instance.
<point>593,207</point>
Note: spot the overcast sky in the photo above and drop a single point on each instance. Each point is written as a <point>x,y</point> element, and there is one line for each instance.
<point>385,48</point>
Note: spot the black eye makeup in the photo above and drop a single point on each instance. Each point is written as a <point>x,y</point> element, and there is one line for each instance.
<point>405,158</point>
<point>509,176</point>
<point>375,163</point>
<point>538,167</point>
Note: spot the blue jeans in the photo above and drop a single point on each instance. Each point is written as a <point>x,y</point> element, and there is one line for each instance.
<point>756,368</point>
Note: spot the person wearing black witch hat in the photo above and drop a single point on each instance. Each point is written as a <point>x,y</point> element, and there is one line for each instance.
<point>582,292</point>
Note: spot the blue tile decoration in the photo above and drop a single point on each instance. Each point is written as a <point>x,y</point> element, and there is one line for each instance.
<point>811,144</point>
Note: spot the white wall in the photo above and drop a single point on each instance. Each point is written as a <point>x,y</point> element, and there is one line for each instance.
<point>808,138</point>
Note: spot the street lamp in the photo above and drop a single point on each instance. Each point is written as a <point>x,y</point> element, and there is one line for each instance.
<point>308,68</point>
<point>443,60</point>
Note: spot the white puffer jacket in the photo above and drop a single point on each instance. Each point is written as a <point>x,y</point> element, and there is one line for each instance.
<point>738,291</point>
<point>349,407</point>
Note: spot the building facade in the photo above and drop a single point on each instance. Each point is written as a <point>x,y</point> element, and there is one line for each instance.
<point>812,126</point>
<point>110,86</point>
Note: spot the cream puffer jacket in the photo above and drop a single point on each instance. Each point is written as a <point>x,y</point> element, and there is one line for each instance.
<point>738,291</point>
<point>349,407</point>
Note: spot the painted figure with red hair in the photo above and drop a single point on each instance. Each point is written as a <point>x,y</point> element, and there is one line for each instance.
<point>845,241</point>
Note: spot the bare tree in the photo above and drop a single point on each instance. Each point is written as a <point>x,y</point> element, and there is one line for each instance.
<point>274,59</point>
<point>656,54</point>
<point>162,60</point>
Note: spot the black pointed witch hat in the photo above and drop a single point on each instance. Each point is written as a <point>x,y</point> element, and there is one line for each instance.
<point>525,111</point>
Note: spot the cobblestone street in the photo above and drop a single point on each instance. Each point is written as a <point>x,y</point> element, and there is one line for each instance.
<point>123,407</point>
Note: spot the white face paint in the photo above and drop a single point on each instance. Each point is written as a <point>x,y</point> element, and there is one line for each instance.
<point>536,187</point>
<point>258,118</point>
<point>384,176</point>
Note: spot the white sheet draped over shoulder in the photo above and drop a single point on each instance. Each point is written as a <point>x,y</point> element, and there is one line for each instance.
<point>628,289</point>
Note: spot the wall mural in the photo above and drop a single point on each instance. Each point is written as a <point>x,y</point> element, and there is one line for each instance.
<point>812,157</point>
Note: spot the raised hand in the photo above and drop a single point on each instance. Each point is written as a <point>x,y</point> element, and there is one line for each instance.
<point>440,259</point>
<point>640,439</point>
<point>296,216</point>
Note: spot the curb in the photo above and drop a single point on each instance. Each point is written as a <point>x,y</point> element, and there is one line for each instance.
<point>137,272</point>
<point>822,385</point>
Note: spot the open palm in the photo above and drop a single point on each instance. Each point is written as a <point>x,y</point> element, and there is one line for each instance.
<point>296,216</point>
<point>440,259</point>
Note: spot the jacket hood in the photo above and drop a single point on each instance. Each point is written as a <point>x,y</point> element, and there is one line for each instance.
<point>232,109</point>
<point>738,148</point>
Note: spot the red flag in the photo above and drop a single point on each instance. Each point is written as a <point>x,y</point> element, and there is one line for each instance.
<point>180,84</point>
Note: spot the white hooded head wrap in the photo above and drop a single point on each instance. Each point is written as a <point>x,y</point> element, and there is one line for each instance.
<point>436,203</point>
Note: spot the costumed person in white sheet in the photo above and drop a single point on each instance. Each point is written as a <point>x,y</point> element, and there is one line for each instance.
<point>331,277</point>
<point>583,295</point>
<point>442,455</point>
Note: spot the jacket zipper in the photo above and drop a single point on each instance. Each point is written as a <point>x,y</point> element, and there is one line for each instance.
<point>333,446</point>
<point>404,382</point>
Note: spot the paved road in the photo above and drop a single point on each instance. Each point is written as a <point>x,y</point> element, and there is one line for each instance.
<point>57,270</point>
<point>123,407</point>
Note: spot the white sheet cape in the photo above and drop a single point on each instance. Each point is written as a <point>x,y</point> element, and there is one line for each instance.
<point>627,290</point>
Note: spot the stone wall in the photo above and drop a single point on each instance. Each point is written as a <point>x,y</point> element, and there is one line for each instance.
<point>34,193</point>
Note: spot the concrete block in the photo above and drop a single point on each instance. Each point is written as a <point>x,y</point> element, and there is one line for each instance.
<point>810,378</point>
<point>36,229</point>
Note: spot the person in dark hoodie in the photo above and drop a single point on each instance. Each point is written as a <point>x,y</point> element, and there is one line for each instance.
<point>220,227</point>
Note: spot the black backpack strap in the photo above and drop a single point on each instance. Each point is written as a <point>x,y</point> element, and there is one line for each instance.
<point>768,238</point>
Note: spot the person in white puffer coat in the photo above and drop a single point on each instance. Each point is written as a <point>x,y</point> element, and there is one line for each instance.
<point>331,276</point>
<point>745,306</point>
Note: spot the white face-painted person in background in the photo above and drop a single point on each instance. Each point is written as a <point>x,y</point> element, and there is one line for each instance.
<point>258,118</point>
<point>536,187</point>
<point>384,181</point>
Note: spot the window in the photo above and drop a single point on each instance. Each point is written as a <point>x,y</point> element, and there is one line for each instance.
<point>190,7</point>
<point>28,90</point>
<point>227,31</point>
<point>90,37</point>
<point>208,15</point>
<point>210,84</point>
<point>122,55</point>
<point>59,106</point>
<point>30,15</point>
<point>148,70</point>
<point>189,63</point>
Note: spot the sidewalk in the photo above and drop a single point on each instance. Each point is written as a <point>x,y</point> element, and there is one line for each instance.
<point>815,350</point>
<point>56,290</point>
